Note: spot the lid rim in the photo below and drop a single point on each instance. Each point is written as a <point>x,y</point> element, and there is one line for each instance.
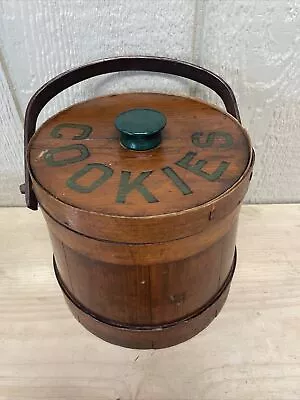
<point>175,213</point>
<point>159,214</point>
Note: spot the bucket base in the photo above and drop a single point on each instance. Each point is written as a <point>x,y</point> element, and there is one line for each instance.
<point>149,337</point>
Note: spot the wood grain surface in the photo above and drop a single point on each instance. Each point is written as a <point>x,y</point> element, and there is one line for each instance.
<point>194,131</point>
<point>253,44</point>
<point>155,292</point>
<point>40,39</point>
<point>251,351</point>
<point>11,144</point>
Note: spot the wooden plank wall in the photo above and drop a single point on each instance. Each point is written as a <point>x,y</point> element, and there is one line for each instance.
<point>253,44</point>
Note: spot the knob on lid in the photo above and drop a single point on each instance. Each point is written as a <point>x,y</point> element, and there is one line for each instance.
<point>140,128</point>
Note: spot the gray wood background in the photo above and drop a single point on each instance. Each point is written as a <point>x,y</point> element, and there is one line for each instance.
<point>253,44</point>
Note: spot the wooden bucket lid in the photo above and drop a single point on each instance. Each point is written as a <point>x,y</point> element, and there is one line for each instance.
<point>178,155</point>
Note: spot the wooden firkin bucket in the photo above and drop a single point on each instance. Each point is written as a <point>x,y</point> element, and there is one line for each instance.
<point>141,193</point>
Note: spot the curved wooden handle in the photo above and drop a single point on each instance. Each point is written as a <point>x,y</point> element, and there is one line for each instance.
<point>76,75</point>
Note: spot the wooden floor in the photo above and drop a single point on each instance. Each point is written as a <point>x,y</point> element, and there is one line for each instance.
<point>250,352</point>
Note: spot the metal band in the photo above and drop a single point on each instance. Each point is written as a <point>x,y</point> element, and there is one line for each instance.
<point>76,75</point>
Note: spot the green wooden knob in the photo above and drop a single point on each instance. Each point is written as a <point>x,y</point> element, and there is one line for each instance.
<point>140,128</point>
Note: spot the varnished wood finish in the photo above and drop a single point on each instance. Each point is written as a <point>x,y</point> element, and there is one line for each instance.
<point>131,286</point>
<point>144,230</point>
<point>156,337</point>
<point>142,253</point>
<point>144,274</point>
<point>145,294</point>
<point>176,214</point>
<point>185,117</point>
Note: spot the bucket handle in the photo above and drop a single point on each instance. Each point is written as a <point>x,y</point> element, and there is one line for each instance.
<point>76,75</point>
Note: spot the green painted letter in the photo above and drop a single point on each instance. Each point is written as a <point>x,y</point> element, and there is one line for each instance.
<point>85,130</point>
<point>106,173</point>
<point>227,139</point>
<point>137,184</point>
<point>178,182</point>
<point>197,168</point>
<point>50,160</point>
